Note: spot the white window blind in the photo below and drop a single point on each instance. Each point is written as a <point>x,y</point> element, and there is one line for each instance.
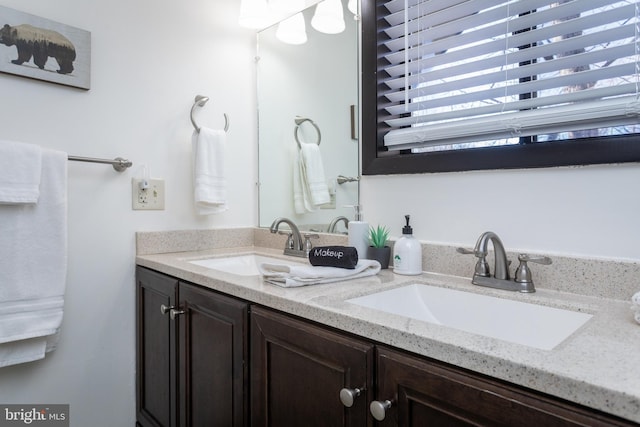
<point>461,71</point>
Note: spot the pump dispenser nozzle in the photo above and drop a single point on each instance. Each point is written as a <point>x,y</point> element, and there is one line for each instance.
<point>407,228</point>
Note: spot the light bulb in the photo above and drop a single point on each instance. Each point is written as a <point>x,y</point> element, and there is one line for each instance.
<point>253,13</point>
<point>292,30</point>
<point>329,17</point>
<point>353,6</point>
<point>286,6</point>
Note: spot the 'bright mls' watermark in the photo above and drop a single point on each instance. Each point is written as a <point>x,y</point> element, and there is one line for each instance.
<point>34,415</point>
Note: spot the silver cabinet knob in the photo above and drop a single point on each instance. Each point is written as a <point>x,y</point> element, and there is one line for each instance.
<point>173,313</point>
<point>379,409</point>
<point>348,395</point>
<point>165,309</point>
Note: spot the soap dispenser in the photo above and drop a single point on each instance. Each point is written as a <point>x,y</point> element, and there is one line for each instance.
<point>358,232</point>
<point>407,253</point>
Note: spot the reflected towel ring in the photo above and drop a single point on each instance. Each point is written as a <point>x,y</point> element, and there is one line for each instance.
<point>299,120</point>
<point>199,102</point>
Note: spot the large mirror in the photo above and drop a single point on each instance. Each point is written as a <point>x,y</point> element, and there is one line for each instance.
<point>318,81</point>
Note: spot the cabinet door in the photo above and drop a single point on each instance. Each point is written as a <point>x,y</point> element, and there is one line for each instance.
<point>424,393</point>
<point>213,351</point>
<point>156,350</point>
<point>298,370</point>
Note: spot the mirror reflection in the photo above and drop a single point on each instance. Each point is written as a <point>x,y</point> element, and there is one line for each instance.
<point>308,124</point>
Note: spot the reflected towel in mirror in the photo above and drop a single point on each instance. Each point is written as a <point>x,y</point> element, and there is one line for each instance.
<point>309,183</point>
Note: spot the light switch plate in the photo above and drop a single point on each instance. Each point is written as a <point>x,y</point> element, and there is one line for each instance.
<point>150,198</point>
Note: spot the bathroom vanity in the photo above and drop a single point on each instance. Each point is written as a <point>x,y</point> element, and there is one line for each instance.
<point>221,348</point>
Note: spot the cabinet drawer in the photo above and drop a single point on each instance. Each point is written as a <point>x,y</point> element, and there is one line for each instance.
<point>423,392</point>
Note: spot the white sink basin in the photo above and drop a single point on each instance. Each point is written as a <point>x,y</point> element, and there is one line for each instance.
<point>242,265</point>
<point>517,322</point>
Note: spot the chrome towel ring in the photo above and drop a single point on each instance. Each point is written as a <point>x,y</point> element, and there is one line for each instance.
<point>199,102</point>
<point>299,120</point>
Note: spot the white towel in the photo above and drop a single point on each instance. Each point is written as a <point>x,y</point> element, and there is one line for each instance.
<point>301,197</point>
<point>20,166</point>
<point>289,276</point>
<point>210,185</point>
<point>310,188</point>
<point>33,264</point>
<point>29,350</point>
<point>22,351</point>
<point>313,174</point>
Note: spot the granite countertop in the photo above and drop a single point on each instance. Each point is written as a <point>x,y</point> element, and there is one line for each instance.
<point>597,366</point>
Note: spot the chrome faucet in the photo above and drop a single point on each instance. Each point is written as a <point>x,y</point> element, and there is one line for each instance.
<point>523,281</point>
<point>294,245</point>
<point>334,222</point>
<point>501,264</point>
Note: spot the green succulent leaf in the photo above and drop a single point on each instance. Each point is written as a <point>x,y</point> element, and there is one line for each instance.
<point>378,236</point>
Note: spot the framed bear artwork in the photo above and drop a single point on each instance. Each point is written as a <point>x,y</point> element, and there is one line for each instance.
<point>35,47</point>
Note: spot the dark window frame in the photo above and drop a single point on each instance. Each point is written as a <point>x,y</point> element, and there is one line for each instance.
<point>376,160</point>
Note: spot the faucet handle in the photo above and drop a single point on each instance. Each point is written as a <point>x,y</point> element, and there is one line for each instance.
<point>481,268</point>
<point>307,242</point>
<point>545,260</point>
<point>289,243</point>
<point>465,251</point>
<point>523,272</point>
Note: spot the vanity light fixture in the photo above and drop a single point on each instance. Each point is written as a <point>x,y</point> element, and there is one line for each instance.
<point>286,7</point>
<point>353,6</point>
<point>329,17</point>
<point>292,30</point>
<point>254,13</point>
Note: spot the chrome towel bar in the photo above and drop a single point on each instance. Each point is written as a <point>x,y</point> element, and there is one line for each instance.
<point>119,164</point>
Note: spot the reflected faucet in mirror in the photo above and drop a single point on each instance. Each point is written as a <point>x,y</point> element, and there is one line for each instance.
<point>334,222</point>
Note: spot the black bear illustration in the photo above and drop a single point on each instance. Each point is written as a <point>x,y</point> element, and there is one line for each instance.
<point>41,44</point>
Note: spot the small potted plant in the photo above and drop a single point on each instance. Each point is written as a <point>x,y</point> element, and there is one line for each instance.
<point>378,248</point>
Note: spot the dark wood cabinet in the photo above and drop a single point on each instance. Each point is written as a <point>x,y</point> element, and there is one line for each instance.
<point>192,355</point>
<point>196,370</point>
<point>212,359</point>
<point>156,396</point>
<point>423,392</point>
<point>298,370</point>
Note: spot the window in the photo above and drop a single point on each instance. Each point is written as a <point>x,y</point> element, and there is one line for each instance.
<point>487,84</point>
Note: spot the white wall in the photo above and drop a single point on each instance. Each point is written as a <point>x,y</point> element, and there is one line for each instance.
<point>585,211</point>
<point>149,60</point>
